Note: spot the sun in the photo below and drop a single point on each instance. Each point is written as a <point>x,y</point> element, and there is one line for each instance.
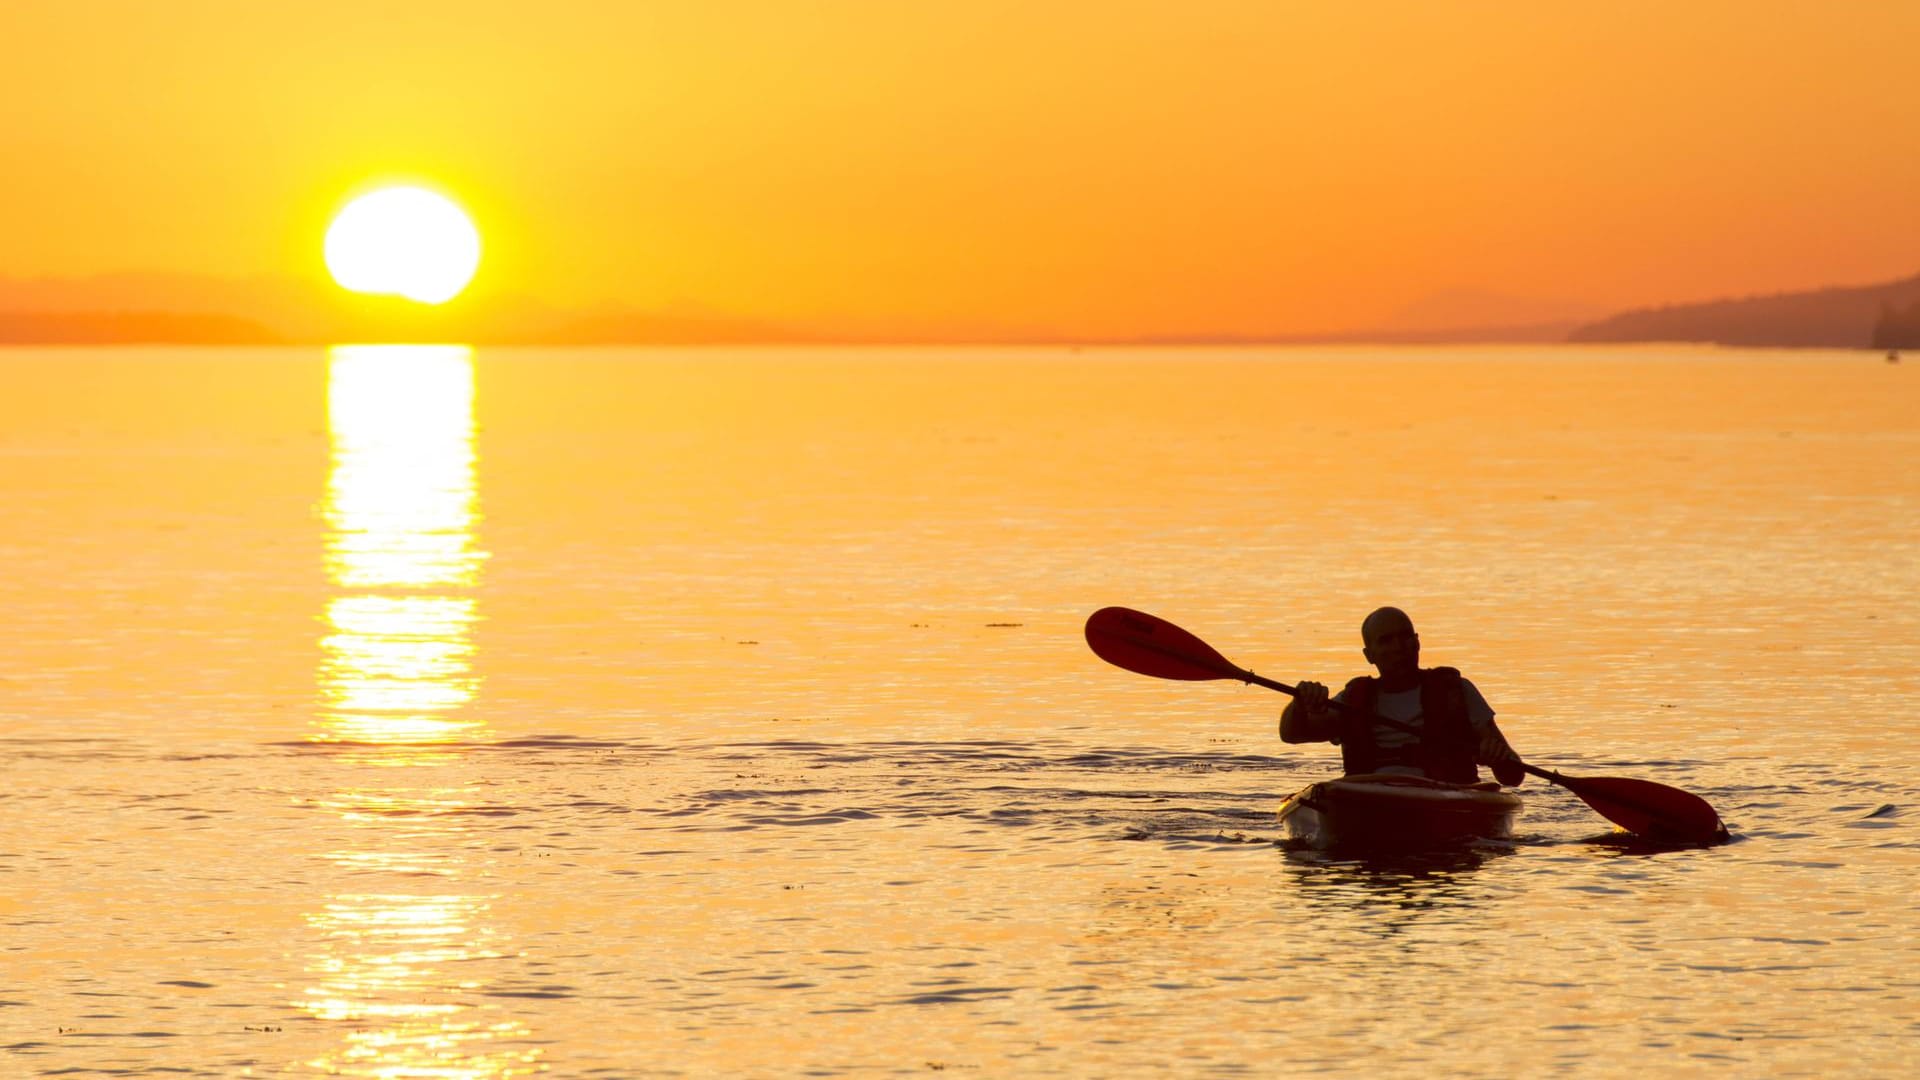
<point>403,241</point>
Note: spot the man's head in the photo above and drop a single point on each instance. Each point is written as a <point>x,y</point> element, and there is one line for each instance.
<point>1390,643</point>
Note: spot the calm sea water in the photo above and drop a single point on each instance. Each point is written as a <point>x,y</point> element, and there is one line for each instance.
<point>432,713</point>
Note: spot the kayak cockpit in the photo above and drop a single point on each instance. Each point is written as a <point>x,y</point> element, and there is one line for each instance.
<point>1392,812</point>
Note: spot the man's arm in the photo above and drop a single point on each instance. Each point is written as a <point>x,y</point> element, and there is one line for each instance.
<point>1307,717</point>
<point>1492,750</point>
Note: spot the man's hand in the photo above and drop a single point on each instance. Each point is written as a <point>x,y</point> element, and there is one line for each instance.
<point>1509,772</point>
<point>1310,697</point>
<point>1305,718</point>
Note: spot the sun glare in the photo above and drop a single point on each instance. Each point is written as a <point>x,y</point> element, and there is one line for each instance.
<point>403,241</point>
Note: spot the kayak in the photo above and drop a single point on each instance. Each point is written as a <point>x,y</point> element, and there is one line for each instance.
<point>1398,813</point>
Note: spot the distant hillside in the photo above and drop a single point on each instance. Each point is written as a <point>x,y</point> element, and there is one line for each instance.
<point>130,328</point>
<point>144,308</point>
<point>1837,318</point>
<point>160,308</point>
<point>1469,312</point>
<point>1529,334</point>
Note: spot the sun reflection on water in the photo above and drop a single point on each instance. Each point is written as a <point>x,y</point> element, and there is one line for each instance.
<point>404,969</point>
<point>397,667</point>
<point>401,493</point>
<point>390,972</point>
<point>400,513</point>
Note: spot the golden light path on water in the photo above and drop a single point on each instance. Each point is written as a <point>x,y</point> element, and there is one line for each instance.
<point>397,966</point>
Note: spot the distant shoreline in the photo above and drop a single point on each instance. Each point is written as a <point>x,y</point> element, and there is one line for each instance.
<point>1882,316</point>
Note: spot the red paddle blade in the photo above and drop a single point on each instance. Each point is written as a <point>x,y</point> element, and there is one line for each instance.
<point>1650,809</point>
<point>1139,642</point>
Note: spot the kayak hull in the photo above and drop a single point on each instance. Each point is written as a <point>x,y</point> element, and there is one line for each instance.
<point>1397,813</point>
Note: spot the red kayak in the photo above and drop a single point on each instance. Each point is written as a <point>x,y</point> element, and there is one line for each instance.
<point>1378,811</point>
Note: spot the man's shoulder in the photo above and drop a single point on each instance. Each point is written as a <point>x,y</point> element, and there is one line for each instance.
<point>1445,675</point>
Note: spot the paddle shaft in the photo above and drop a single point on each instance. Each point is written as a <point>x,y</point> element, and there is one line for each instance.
<point>1294,692</point>
<point>1262,680</point>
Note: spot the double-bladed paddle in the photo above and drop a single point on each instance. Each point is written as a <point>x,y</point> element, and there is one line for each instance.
<point>1153,646</point>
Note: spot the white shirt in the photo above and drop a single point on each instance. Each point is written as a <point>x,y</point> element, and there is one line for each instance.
<point>1404,706</point>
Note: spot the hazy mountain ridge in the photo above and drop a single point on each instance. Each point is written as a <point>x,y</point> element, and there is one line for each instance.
<point>1530,333</point>
<point>1847,317</point>
<point>137,308</point>
<point>185,309</point>
<point>131,328</point>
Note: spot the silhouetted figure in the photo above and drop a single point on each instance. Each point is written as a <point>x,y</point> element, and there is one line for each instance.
<point>1446,726</point>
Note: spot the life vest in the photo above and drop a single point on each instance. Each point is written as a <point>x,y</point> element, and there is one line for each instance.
<point>1445,749</point>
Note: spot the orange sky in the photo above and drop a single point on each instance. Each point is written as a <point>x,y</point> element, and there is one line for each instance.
<point>1102,168</point>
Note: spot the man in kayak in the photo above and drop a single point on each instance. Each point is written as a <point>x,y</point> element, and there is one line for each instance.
<point>1436,723</point>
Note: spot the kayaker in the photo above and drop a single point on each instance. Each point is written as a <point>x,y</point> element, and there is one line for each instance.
<point>1444,726</point>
